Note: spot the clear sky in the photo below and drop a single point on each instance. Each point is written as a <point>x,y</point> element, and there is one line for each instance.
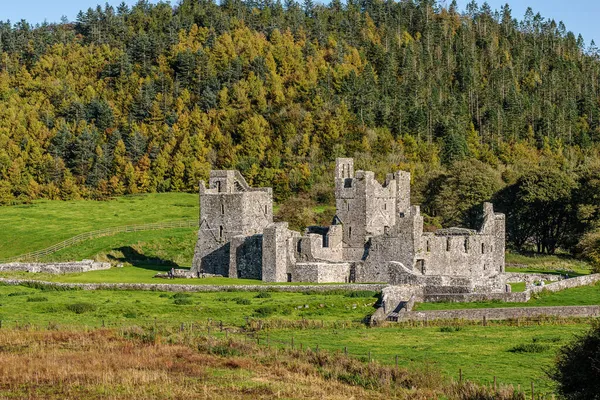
<point>580,16</point>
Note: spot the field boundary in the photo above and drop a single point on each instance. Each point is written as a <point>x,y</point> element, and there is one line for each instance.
<point>36,255</point>
<point>168,287</point>
<point>485,314</point>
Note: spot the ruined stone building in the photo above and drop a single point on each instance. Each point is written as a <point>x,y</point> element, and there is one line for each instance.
<point>376,236</point>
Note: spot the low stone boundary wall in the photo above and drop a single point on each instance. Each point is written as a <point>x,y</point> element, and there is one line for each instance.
<point>584,280</point>
<point>516,277</point>
<point>504,313</point>
<point>517,297</point>
<point>56,268</point>
<point>166,287</point>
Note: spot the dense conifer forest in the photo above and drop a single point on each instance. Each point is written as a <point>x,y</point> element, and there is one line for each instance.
<point>478,104</point>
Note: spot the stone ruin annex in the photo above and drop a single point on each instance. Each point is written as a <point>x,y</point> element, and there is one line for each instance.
<point>376,236</point>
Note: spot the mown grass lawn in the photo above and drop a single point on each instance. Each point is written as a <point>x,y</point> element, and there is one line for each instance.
<point>43,223</point>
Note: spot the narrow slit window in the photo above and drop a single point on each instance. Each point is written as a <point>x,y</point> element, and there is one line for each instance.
<point>349,232</point>
<point>482,248</point>
<point>385,206</point>
<point>219,186</point>
<point>348,206</point>
<point>266,210</point>
<point>222,209</point>
<point>428,246</point>
<point>466,244</point>
<point>448,244</point>
<point>221,232</point>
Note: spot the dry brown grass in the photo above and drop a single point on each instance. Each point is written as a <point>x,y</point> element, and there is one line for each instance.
<point>107,364</point>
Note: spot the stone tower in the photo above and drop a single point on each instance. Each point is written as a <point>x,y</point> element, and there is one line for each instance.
<point>365,207</point>
<point>230,211</point>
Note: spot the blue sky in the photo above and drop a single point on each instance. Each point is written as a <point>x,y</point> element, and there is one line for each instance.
<point>580,16</point>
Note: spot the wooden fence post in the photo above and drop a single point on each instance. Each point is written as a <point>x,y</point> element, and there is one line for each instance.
<point>396,361</point>
<point>460,375</point>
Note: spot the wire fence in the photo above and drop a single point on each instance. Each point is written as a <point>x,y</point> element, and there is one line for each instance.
<point>36,255</point>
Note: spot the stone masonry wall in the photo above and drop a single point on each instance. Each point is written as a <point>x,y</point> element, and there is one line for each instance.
<point>504,313</point>
<point>56,268</point>
<point>166,287</point>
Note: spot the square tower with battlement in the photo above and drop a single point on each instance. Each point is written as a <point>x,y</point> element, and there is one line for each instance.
<point>365,207</point>
<point>230,212</point>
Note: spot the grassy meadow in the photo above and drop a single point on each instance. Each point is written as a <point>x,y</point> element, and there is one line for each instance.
<point>35,226</point>
<point>332,321</point>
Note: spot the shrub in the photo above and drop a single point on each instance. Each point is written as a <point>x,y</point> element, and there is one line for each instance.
<point>265,311</point>
<point>577,368</point>
<point>588,248</point>
<point>182,301</point>
<point>80,308</point>
<point>450,329</point>
<point>36,299</point>
<point>529,348</point>
<point>181,296</point>
<point>242,301</point>
<point>263,295</point>
<point>130,314</point>
<point>17,294</point>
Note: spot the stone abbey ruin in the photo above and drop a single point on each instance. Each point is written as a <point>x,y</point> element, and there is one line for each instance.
<point>376,236</point>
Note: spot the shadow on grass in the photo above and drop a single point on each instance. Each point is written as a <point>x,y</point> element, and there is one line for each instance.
<point>137,259</point>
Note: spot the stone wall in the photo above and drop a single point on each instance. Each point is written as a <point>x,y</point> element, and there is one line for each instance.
<point>516,277</point>
<point>584,280</point>
<point>166,287</point>
<point>321,272</point>
<point>56,268</point>
<point>245,257</point>
<point>504,313</point>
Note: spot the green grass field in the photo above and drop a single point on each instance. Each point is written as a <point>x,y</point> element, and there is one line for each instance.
<point>172,247</point>
<point>121,308</point>
<point>44,223</point>
<point>481,352</point>
<point>546,264</point>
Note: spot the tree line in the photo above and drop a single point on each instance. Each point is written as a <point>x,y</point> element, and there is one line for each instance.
<point>475,103</point>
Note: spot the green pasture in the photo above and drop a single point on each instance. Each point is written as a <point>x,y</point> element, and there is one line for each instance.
<point>74,308</point>
<point>481,352</point>
<point>43,223</point>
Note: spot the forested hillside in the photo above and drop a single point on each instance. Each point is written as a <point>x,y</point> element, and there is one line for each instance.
<point>476,103</point>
